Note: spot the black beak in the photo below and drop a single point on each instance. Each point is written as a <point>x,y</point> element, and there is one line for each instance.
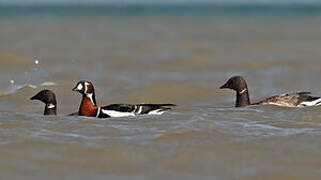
<point>75,89</point>
<point>35,97</point>
<point>224,86</point>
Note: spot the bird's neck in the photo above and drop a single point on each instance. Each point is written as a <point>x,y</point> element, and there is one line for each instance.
<point>50,109</point>
<point>242,98</point>
<point>88,106</point>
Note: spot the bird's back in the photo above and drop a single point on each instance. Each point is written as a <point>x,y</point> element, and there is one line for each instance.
<point>296,99</point>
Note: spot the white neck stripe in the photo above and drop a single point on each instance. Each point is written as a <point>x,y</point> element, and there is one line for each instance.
<point>50,106</point>
<point>243,91</point>
<point>86,88</point>
<point>90,96</point>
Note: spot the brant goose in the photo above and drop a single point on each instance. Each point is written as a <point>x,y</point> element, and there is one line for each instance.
<point>88,106</point>
<point>49,98</point>
<point>296,99</point>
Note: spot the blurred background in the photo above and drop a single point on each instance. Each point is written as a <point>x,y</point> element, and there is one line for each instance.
<point>152,51</point>
<point>142,48</point>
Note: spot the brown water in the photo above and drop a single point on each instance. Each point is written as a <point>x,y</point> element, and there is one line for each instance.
<point>160,60</point>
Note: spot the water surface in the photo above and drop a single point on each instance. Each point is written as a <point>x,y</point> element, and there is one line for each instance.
<point>164,57</point>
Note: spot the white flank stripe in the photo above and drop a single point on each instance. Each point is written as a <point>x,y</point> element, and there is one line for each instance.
<point>311,103</point>
<point>156,112</point>
<point>112,113</point>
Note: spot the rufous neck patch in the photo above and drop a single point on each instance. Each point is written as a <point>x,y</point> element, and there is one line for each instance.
<point>87,108</point>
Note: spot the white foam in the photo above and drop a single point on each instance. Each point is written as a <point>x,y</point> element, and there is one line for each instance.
<point>48,83</point>
<point>32,86</point>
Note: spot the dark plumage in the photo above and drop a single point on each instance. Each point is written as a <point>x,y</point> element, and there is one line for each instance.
<point>238,84</point>
<point>137,109</point>
<point>49,98</point>
<point>296,99</point>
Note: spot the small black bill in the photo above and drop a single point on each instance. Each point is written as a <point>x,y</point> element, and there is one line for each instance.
<point>34,97</point>
<point>224,86</point>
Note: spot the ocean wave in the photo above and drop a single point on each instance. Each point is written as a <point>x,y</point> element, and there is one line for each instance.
<point>20,87</point>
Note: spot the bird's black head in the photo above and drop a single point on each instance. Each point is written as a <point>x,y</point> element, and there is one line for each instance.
<point>236,83</point>
<point>45,96</point>
<point>84,87</point>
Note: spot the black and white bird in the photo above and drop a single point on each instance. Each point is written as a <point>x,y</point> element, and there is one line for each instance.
<point>295,99</point>
<point>88,106</point>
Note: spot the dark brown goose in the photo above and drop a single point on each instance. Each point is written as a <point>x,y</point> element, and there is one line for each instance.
<point>296,99</point>
<point>49,98</point>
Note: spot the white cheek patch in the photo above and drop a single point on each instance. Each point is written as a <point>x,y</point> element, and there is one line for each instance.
<point>79,87</point>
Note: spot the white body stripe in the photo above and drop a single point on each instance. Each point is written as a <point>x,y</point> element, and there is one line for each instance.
<point>156,112</point>
<point>316,102</point>
<point>113,113</point>
<point>140,109</point>
<point>98,112</point>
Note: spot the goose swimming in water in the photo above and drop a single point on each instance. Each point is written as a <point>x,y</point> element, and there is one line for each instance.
<point>88,106</point>
<point>295,99</point>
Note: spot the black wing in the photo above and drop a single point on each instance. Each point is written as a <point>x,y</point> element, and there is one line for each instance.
<point>120,107</point>
<point>146,108</point>
<point>304,96</point>
<point>136,109</point>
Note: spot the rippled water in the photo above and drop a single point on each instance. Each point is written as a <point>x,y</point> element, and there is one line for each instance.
<point>160,60</point>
